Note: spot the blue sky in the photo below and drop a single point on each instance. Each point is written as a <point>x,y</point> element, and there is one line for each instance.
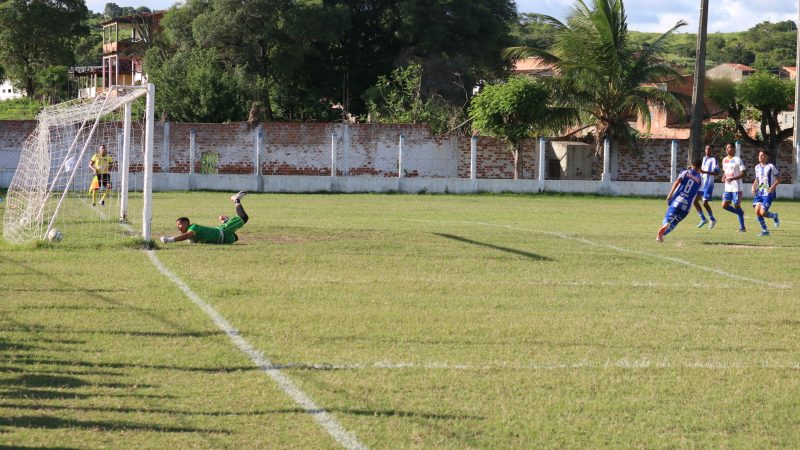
<point>660,15</point>
<point>643,15</point>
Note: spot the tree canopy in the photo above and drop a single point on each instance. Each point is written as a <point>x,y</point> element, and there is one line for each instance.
<point>36,34</point>
<point>760,98</point>
<point>300,58</point>
<point>516,110</point>
<point>601,73</point>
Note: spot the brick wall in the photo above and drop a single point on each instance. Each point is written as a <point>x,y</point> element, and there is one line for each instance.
<point>361,149</point>
<point>12,135</point>
<point>495,160</point>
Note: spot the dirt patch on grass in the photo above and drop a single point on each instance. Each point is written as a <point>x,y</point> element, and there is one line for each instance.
<point>278,239</point>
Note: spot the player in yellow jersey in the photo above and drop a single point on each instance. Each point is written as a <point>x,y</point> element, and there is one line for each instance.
<point>100,165</point>
<point>223,234</point>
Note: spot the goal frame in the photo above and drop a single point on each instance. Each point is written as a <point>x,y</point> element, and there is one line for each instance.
<point>124,166</point>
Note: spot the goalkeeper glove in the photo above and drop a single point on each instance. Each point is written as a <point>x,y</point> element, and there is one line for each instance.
<point>167,239</point>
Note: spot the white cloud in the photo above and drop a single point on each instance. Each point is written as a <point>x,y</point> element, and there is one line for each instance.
<point>647,15</point>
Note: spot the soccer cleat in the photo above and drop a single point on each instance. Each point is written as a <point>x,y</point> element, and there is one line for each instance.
<point>764,233</point>
<point>660,235</point>
<point>702,222</point>
<point>742,230</point>
<point>238,196</point>
<point>102,203</point>
<point>94,204</point>
<point>776,220</point>
<point>711,225</point>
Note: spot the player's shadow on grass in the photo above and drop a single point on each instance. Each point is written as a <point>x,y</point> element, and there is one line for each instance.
<point>52,422</point>
<point>379,412</point>
<point>513,251</point>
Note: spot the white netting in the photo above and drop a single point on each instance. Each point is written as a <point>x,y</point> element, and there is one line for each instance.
<point>51,186</point>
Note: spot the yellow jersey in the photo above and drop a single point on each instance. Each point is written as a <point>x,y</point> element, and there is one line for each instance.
<point>102,163</point>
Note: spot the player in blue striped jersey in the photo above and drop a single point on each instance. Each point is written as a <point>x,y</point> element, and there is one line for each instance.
<point>680,198</point>
<point>768,177</point>
<point>709,170</point>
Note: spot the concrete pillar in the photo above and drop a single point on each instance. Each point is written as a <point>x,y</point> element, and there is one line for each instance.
<point>797,164</point>
<point>542,158</point>
<point>259,145</point>
<point>473,158</point>
<point>738,149</point>
<point>346,150</point>
<point>606,160</point>
<point>192,150</point>
<point>165,156</point>
<point>333,154</point>
<point>400,156</point>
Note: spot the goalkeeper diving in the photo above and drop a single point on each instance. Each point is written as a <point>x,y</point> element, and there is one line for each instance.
<point>223,234</point>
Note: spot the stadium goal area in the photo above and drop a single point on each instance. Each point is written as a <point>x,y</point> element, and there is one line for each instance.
<point>87,165</point>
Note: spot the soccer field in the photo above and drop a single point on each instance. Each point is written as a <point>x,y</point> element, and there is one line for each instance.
<point>408,321</point>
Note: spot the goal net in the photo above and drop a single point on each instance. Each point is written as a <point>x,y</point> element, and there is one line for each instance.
<point>65,182</point>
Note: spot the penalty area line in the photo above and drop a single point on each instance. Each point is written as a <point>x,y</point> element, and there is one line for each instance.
<point>322,417</point>
<point>679,261</point>
<point>625,363</point>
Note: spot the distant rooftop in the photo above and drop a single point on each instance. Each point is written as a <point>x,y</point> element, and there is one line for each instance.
<point>532,66</point>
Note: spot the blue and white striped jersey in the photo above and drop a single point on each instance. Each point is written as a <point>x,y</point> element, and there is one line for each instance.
<point>765,176</point>
<point>684,195</point>
<point>709,165</point>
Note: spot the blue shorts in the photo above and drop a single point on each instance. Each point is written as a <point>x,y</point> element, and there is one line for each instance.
<point>734,197</point>
<point>765,200</point>
<point>707,192</point>
<point>674,215</point>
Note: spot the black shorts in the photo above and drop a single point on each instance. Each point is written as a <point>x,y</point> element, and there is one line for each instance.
<point>104,179</point>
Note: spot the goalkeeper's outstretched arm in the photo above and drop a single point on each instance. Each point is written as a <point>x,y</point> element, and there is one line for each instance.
<point>178,238</point>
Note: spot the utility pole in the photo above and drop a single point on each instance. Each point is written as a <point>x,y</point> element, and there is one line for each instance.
<point>797,100</point>
<point>696,133</point>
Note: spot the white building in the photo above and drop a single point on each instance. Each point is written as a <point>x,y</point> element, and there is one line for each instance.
<point>7,92</point>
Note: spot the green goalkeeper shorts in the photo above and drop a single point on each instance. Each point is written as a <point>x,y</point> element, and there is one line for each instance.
<point>229,229</point>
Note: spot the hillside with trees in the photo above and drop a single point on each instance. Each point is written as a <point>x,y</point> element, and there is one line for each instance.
<point>766,46</point>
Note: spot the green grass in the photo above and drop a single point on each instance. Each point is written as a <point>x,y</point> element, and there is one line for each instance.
<point>20,109</point>
<point>418,321</point>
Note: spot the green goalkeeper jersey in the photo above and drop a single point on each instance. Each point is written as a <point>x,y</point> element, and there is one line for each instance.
<point>206,235</point>
<point>223,234</point>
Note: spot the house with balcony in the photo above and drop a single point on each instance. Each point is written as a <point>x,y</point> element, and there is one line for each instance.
<point>125,40</point>
<point>86,80</point>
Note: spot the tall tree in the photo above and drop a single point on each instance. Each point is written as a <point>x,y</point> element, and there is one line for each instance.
<point>759,98</point>
<point>35,34</point>
<point>516,110</point>
<point>193,86</point>
<point>301,57</point>
<point>601,74</point>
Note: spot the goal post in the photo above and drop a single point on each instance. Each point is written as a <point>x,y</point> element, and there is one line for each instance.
<point>55,185</point>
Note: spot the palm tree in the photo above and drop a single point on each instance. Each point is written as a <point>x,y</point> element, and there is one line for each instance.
<point>601,74</point>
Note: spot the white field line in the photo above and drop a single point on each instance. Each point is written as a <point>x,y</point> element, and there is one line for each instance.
<point>458,281</point>
<point>322,417</point>
<point>608,364</point>
<point>679,261</point>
